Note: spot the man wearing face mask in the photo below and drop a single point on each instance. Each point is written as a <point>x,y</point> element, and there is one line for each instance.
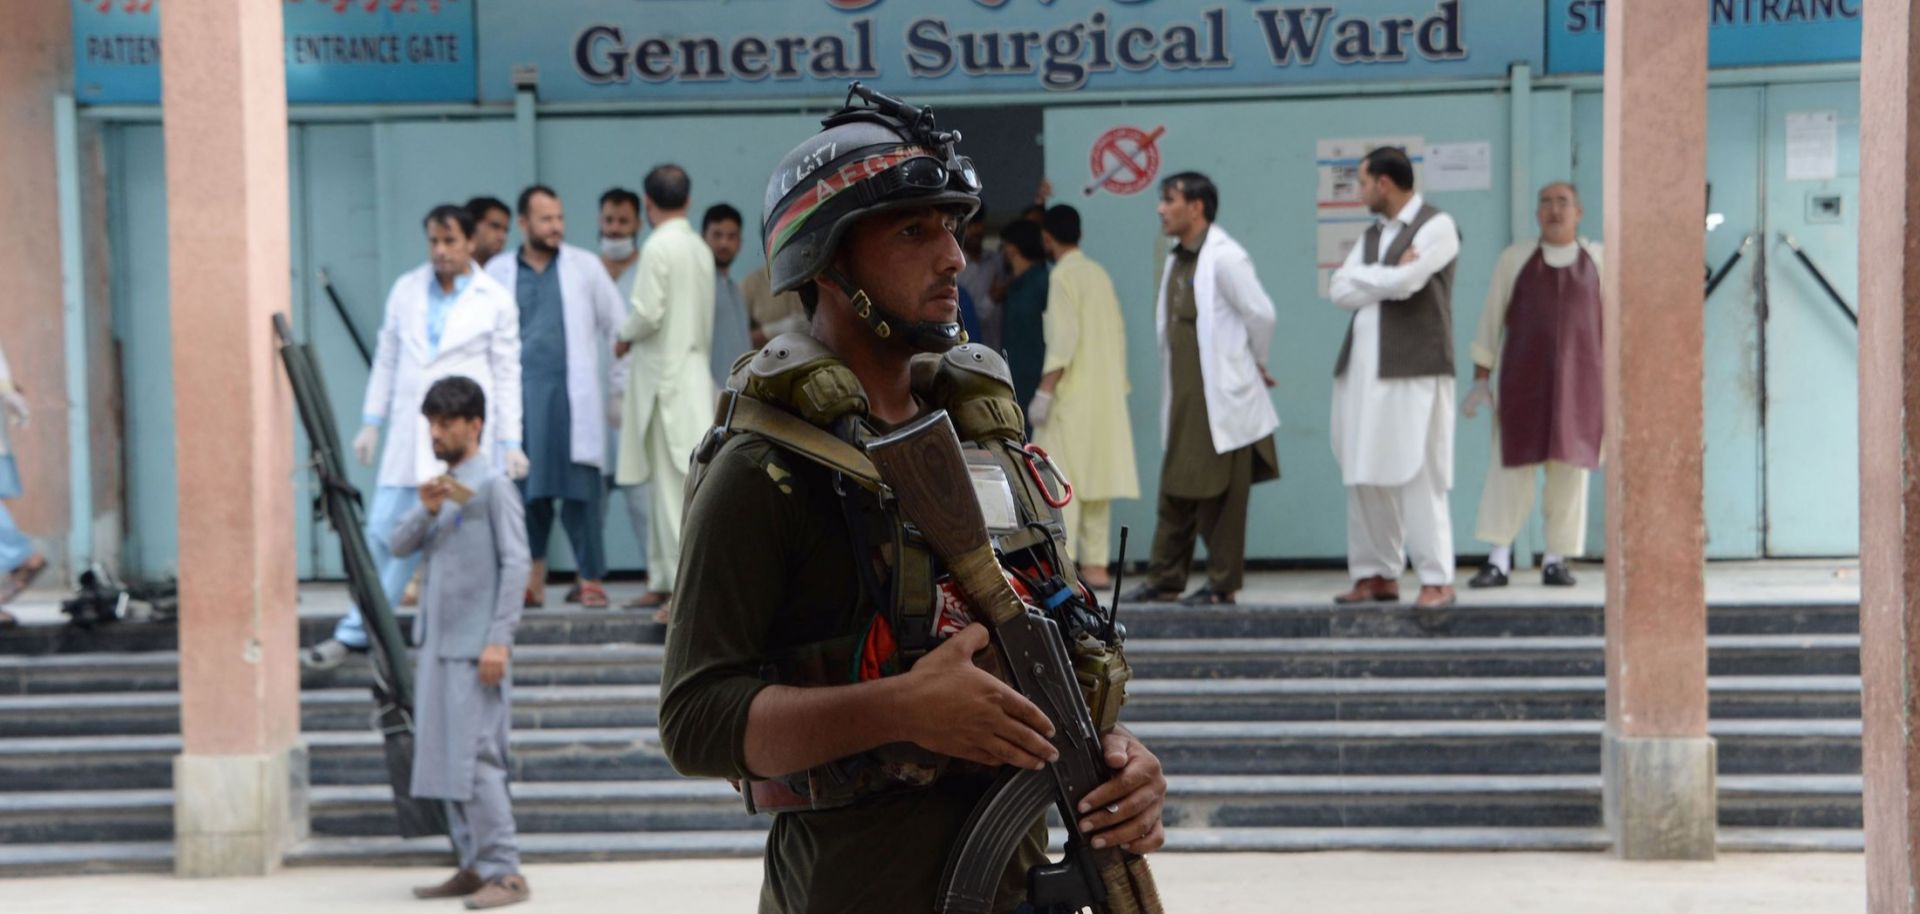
<point>569,311</point>
<point>620,252</point>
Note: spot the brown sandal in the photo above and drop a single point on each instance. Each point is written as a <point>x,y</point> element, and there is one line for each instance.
<point>593,596</point>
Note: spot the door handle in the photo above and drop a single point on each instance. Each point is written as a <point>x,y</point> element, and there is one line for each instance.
<point>1715,277</point>
<point>1821,278</point>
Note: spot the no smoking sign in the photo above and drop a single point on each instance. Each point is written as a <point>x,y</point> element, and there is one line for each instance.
<point>1124,160</point>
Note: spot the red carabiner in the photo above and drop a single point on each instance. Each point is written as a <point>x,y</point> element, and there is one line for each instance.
<point>1035,452</point>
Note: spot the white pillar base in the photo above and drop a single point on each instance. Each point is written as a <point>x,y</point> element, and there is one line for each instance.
<point>236,815</point>
<point>1661,797</point>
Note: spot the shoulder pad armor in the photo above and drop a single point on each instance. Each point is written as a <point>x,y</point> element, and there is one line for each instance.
<point>798,373</point>
<point>972,383</point>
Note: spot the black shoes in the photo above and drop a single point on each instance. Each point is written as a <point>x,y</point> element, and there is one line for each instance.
<point>1147,593</point>
<point>1553,575</point>
<point>1207,596</point>
<point>1488,576</point>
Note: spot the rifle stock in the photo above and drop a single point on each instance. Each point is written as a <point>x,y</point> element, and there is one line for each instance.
<point>923,466</point>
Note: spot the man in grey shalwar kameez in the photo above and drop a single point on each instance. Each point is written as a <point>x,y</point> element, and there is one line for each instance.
<point>470,528</point>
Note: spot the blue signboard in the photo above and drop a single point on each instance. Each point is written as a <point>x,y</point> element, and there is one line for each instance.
<point>1743,33</point>
<point>661,49</point>
<point>337,50</point>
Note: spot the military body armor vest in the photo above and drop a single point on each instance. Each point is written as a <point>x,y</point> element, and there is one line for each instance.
<point>795,394</point>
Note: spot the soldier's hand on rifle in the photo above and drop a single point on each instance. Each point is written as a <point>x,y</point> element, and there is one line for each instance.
<point>958,709</point>
<point>1126,811</point>
<point>493,664</point>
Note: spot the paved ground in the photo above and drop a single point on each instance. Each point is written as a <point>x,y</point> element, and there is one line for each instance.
<point>1348,883</point>
<point>1835,580</point>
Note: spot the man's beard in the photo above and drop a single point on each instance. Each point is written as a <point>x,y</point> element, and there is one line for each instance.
<point>542,246</point>
<point>452,456</point>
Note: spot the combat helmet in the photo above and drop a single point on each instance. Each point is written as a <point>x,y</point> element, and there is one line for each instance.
<point>876,155</point>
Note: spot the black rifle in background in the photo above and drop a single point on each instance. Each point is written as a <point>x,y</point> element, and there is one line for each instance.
<point>339,502</point>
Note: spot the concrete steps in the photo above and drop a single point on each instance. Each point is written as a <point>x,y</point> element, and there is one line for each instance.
<point>1149,621</point>
<point>1171,658</point>
<point>137,856</point>
<point>1204,801</point>
<point>1185,747</point>
<point>1437,698</point>
<point>1282,728</point>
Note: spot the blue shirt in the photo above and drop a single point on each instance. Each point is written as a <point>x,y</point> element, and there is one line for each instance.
<point>439,303</point>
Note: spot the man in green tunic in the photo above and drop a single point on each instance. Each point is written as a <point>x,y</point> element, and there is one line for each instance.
<point>1216,324</point>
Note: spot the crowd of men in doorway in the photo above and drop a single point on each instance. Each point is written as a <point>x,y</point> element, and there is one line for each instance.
<point>1050,309</point>
<point>599,367</point>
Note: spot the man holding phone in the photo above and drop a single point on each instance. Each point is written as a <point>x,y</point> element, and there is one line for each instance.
<point>470,530</point>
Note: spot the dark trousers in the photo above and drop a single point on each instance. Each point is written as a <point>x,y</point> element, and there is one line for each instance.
<point>585,523</point>
<point>1221,520</point>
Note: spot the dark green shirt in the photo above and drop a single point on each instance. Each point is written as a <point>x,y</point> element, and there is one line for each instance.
<point>767,564</point>
<point>1023,331</point>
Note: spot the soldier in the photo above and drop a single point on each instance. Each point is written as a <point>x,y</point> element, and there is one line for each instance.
<point>817,654</point>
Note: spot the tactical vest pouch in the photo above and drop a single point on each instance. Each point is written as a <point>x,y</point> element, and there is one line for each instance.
<point>892,768</point>
<point>972,383</point>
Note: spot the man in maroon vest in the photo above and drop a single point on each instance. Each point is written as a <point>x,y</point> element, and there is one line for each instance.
<point>1541,331</point>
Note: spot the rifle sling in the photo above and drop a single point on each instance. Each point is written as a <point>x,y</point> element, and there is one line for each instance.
<point>800,437</point>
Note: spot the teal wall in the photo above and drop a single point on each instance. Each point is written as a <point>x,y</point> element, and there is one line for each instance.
<point>1780,418</point>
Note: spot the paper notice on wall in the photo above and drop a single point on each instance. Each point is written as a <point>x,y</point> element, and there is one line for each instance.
<point>1341,215</point>
<point>1813,145</point>
<point>1459,166</point>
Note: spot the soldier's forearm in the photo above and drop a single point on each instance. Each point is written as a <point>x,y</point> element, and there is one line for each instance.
<point>792,729</point>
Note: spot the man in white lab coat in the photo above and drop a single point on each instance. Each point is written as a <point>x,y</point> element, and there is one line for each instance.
<point>1393,389</point>
<point>1215,325</point>
<point>444,318</point>
<point>670,397</point>
<point>569,311</point>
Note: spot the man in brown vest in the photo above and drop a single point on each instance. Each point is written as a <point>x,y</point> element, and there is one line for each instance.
<point>1541,329</point>
<point>1393,388</point>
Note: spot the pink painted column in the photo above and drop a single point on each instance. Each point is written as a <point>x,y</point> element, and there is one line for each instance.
<point>1890,450</point>
<point>1658,759</point>
<point>36,50</point>
<point>225,118</point>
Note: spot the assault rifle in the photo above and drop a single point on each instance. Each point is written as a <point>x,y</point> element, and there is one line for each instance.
<point>924,468</point>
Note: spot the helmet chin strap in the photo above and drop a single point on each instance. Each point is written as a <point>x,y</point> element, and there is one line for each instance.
<point>922,336</point>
